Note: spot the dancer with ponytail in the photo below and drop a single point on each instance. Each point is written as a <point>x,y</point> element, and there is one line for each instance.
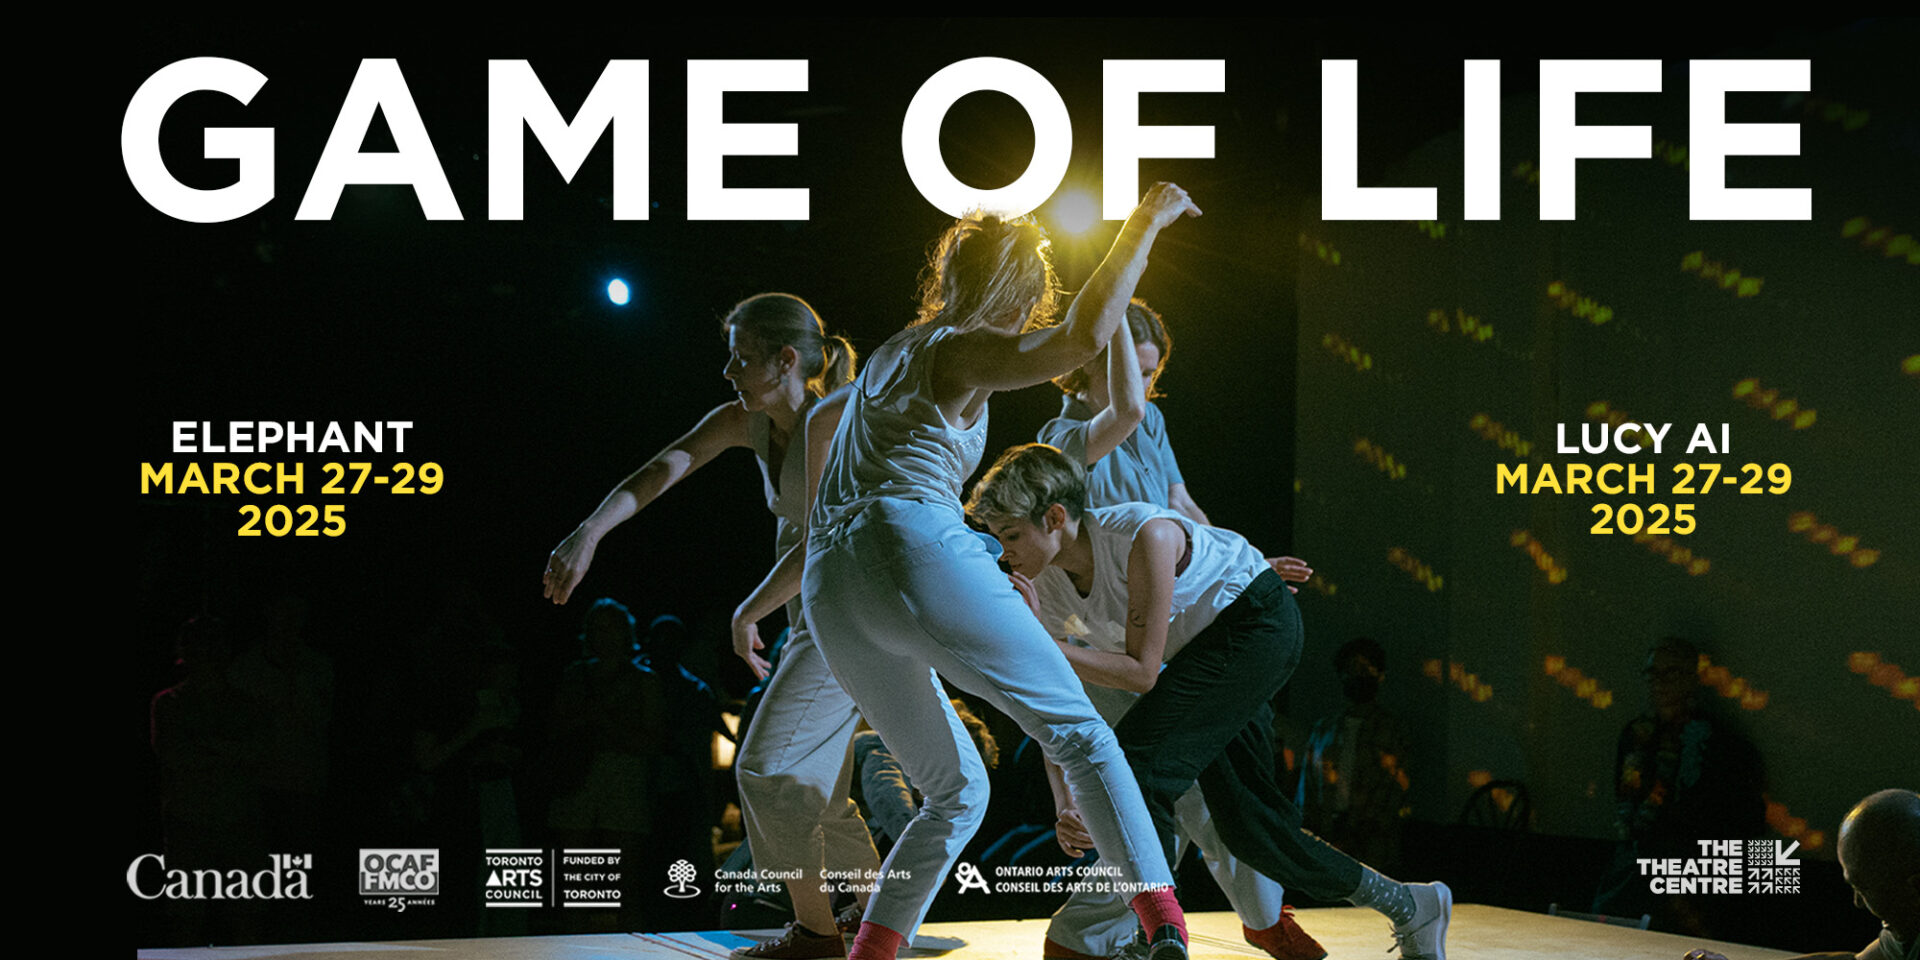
<point>792,766</point>
<point>902,593</point>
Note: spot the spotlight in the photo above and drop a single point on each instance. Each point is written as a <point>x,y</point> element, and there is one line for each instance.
<point>1076,211</point>
<point>617,292</point>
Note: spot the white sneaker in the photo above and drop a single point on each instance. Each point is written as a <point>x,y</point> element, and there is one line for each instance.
<point>1425,938</point>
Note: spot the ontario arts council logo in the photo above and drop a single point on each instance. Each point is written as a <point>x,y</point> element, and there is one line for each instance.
<point>1727,866</point>
<point>399,878</point>
<point>285,878</point>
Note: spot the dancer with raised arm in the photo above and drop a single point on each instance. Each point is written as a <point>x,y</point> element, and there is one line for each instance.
<point>1146,587</point>
<point>792,766</point>
<point>1109,423</point>
<point>902,593</point>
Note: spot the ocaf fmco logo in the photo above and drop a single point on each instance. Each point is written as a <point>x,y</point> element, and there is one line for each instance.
<point>285,878</point>
<point>399,878</point>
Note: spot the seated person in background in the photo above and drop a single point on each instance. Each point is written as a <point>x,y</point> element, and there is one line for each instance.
<point>1353,782</point>
<point>1880,855</point>
<point>1680,776</point>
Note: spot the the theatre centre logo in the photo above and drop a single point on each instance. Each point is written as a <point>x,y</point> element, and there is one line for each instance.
<point>399,878</point>
<point>1727,866</point>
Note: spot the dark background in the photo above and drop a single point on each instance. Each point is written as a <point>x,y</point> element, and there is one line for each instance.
<point>536,394</point>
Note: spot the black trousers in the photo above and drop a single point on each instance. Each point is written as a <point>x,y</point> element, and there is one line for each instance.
<point>1209,718</point>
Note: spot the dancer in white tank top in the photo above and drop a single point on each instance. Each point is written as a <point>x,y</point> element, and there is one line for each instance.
<point>904,594</point>
<point>792,765</point>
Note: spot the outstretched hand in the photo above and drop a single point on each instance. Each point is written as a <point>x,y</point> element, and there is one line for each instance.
<point>1291,568</point>
<point>566,565</point>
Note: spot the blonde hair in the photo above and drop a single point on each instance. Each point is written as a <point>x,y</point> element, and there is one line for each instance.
<point>1145,326</point>
<point>1025,481</point>
<point>775,320</point>
<point>985,267</point>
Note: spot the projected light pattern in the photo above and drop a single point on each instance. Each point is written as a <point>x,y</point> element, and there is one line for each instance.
<point>1556,574</point>
<point>1787,825</point>
<point>1769,401</point>
<point>1598,411</point>
<point>1353,356</point>
<point>1413,567</point>
<point>1456,674</point>
<point>1585,687</point>
<point>1470,327</point>
<point>1727,685</point>
<point>1911,366</point>
<point>1728,279</point>
<point>1847,118</point>
<point>1382,460</point>
<point>1322,586</point>
<point>1586,308</point>
<point>1885,675</point>
<point>1676,554</point>
<point>1501,796</point>
<point>1321,249</point>
<point>1495,432</point>
<point>1672,154</point>
<point>1525,170</point>
<point>1434,229</point>
<point>1891,244</point>
<point>1826,534</point>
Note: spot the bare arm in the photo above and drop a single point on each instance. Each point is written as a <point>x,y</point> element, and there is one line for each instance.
<point>1156,550</point>
<point>988,359</point>
<point>782,583</point>
<point>723,427</point>
<point>1181,502</point>
<point>1126,398</point>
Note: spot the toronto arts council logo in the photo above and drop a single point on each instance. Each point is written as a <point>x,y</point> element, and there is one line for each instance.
<point>564,877</point>
<point>398,878</point>
<point>1727,866</point>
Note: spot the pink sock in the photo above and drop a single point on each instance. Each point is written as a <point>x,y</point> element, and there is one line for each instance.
<point>875,942</point>
<point>1158,908</point>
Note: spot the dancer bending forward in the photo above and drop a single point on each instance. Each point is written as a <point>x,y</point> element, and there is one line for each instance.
<point>902,593</point>
<point>1109,423</point>
<point>1146,586</point>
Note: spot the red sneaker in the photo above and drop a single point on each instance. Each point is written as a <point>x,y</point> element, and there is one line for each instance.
<point>1285,940</point>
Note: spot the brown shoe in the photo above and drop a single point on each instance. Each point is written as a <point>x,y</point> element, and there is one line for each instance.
<point>797,943</point>
<point>848,920</point>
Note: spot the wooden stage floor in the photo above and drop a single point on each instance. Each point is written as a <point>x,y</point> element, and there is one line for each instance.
<point>1477,933</point>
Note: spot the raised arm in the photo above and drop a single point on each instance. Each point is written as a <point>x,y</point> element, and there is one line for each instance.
<point>783,581</point>
<point>985,358</point>
<point>723,427</point>
<point>1156,550</point>
<point>1126,398</point>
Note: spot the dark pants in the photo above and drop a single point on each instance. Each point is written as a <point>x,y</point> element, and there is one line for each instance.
<point>1210,718</point>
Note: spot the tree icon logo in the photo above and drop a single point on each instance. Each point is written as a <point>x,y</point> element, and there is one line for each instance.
<point>681,874</point>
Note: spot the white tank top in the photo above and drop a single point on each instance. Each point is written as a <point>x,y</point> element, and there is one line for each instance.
<point>1220,565</point>
<point>893,440</point>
